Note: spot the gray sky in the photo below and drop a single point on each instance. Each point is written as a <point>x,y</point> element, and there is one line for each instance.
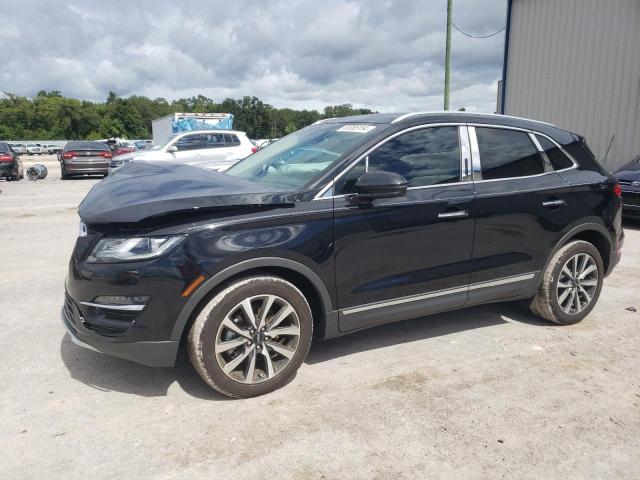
<point>387,55</point>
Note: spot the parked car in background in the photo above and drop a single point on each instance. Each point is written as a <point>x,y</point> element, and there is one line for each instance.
<point>33,149</point>
<point>122,148</point>
<point>80,158</point>
<point>629,178</point>
<point>19,148</point>
<point>346,224</point>
<point>214,149</point>
<point>143,144</point>
<point>53,149</point>
<point>10,164</point>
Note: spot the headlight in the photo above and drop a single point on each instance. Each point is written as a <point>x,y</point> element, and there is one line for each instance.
<point>130,249</point>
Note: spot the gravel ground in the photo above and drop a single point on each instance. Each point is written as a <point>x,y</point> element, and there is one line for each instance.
<point>488,392</point>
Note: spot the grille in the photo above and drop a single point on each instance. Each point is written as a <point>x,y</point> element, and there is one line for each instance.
<point>631,198</point>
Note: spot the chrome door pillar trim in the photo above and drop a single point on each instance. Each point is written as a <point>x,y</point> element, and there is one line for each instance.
<point>475,154</point>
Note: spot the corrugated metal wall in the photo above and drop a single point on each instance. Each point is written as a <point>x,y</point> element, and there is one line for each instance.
<point>576,63</point>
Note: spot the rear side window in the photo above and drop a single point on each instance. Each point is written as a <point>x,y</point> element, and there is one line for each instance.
<point>231,140</point>
<point>507,154</point>
<point>556,156</point>
<point>213,140</point>
<point>189,142</point>
<point>428,156</point>
<point>4,148</point>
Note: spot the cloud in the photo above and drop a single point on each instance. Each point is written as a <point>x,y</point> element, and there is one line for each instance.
<point>386,55</point>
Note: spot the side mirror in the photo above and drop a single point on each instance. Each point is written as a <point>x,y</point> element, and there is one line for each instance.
<point>172,149</point>
<point>374,185</point>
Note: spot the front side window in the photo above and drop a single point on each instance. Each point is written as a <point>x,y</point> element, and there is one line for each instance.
<point>303,156</point>
<point>556,156</point>
<point>189,142</point>
<point>507,154</point>
<point>429,156</point>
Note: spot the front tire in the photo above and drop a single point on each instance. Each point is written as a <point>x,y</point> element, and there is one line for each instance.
<point>251,337</point>
<point>571,284</point>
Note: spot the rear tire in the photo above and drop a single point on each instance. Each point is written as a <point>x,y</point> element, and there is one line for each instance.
<point>251,337</point>
<point>571,284</point>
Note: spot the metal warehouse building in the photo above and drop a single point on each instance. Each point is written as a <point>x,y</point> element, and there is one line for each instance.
<point>576,63</point>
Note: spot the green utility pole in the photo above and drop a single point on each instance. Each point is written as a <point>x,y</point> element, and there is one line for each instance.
<point>447,56</point>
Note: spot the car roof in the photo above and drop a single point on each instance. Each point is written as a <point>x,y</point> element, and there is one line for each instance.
<point>213,130</point>
<point>431,116</point>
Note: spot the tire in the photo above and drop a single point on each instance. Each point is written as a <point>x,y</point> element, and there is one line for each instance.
<point>210,336</point>
<point>63,174</point>
<point>555,299</point>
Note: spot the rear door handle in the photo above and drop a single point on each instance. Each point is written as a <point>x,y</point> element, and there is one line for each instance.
<point>450,215</point>
<point>553,203</point>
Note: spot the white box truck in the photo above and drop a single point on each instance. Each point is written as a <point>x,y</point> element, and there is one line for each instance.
<point>163,127</point>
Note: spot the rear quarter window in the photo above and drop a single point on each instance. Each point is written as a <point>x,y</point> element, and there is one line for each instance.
<point>556,156</point>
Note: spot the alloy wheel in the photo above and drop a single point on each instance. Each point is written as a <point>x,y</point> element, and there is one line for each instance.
<point>577,283</point>
<point>257,339</point>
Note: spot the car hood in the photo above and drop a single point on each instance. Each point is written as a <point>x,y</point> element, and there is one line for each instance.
<point>140,155</point>
<point>143,190</point>
<point>630,171</point>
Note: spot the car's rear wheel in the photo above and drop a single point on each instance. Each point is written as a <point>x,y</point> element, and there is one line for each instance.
<point>251,337</point>
<point>571,284</point>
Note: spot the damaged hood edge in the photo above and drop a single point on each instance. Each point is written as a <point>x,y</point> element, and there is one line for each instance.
<point>144,190</point>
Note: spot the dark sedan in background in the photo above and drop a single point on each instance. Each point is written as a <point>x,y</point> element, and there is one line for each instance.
<point>10,164</point>
<point>80,158</point>
<point>629,177</point>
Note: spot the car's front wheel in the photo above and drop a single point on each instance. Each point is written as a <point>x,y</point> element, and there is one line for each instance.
<point>251,337</point>
<point>571,284</point>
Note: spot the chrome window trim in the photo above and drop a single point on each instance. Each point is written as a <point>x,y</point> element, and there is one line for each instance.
<point>439,293</point>
<point>476,150</point>
<point>567,154</point>
<point>321,194</point>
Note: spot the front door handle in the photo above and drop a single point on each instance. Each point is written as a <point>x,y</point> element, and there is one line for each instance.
<point>553,203</point>
<point>450,215</point>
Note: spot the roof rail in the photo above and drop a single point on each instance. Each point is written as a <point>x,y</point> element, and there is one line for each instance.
<point>413,114</point>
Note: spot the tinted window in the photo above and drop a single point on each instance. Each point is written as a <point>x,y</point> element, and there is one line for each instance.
<point>86,146</point>
<point>4,147</point>
<point>557,158</point>
<point>189,142</point>
<point>428,156</point>
<point>213,140</point>
<point>507,153</point>
<point>231,140</point>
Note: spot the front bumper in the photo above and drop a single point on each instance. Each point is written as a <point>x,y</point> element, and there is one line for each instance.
<point>153,354</point>
<point>143,335</point>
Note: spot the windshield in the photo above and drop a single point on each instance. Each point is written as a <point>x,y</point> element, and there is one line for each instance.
<point>163,144</point>
<point>297,159</point>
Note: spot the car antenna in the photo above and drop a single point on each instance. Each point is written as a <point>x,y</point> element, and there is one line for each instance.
<point>604,161</point>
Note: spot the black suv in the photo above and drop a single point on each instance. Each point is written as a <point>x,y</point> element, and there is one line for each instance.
<point>340,226</point>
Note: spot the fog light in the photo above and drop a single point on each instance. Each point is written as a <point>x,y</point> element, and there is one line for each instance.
<point>122,300</point>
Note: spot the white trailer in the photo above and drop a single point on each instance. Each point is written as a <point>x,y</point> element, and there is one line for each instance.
<point>163,127</point>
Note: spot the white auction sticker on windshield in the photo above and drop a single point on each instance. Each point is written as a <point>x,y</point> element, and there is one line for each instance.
<point>356,128</point>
